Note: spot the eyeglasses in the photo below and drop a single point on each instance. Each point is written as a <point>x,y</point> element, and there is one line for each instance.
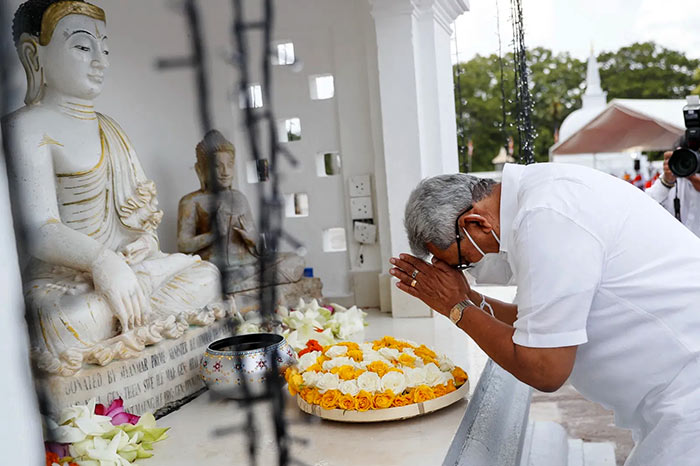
<point>461,265</point>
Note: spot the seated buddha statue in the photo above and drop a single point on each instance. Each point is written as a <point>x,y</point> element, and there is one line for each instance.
<point>243,246</point>
<point>97,285</point>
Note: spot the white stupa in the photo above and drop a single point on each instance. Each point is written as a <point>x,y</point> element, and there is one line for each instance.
<point>594,101</point>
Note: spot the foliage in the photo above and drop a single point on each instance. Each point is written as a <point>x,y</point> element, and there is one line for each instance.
<point>557,81</point>
<point>556,86</point>
<point>647,71</point>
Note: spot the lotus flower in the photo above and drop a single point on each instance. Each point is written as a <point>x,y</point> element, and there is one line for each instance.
<point>116,412</point>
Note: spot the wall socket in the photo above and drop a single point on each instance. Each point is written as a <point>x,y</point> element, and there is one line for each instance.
<point>361,208</point>
<point>365,233</point>
<point>360,186</point>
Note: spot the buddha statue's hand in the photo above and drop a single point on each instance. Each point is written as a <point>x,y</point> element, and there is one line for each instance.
<point>136,251</point>
<point>117,282</point>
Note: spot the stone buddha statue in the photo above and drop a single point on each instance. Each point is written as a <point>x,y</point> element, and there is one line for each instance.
<point>230,208</point>
<point>97,285</point>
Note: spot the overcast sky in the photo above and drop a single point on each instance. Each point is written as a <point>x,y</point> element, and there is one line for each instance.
<point>573,25</point>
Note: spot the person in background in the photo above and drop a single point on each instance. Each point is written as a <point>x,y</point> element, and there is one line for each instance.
<point>667,188</point>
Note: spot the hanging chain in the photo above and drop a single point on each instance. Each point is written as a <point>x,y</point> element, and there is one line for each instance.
<point>523,98</point>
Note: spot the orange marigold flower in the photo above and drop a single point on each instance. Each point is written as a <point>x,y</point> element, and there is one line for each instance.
<point>351,345</point>
<point>424,352</point>
<point>321,359</point>
<point>440,390</point>
<point>383,400</point>
<point>407,360</point>
<point>451,386</point>
<point>329,400</point>
<point>355,354</point>
<point>51,458</point>
<point>316,367</point>
<point>379,367</point>
<point>294,383</point>
<point>346,402</point>
<point>402,400</point>
<point>307,394</point>
<point>346,372</point>
<point>423,393</point>
<point>459,375</point>
<point>363,401</point>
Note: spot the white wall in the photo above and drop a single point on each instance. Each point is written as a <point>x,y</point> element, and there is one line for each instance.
<point>158,110</point>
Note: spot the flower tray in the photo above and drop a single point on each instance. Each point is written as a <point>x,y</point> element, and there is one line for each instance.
<point>387,414</point>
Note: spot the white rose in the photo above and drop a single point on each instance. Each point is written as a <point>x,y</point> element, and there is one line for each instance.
<point>310,378</point>
<point>389,353</point>
<point>370,382</point>
<point>371,356</point>
<point>410,352</point>
<point>349,387</point>
<point>415,377</point>
<point>335,351</point>
<point>337,362</point>
<point>365,347</point>
<point>328,381</point>
<point>394,381</point>
<point>308,360</point>
<point>445,378</point>
<point>433,374</point>
<point>445,363</point>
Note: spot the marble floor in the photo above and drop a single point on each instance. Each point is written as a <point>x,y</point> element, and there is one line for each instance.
<point>581,418</point>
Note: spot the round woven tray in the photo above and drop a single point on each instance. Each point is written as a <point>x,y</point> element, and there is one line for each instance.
<point>387,414</point>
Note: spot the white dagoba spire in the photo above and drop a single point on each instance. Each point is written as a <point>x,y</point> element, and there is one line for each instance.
<point>594,95</point>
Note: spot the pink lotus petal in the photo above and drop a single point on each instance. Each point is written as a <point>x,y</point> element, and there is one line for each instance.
<point>120,418</point>
<point>100,409</point>
<point>116,407</point>
<point>61,449</point>
<point>133,419</point>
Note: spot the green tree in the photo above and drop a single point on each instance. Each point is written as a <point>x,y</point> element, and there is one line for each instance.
<point>556,86</point>
<point>647,71</point>
<point>557,81</point>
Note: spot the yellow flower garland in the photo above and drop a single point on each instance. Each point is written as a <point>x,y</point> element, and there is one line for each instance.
<point>364,400</point>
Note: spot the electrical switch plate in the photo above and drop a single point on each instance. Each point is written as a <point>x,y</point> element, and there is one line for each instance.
<point>360,186</point>
<point>361,208</point>
<point>365,233</point>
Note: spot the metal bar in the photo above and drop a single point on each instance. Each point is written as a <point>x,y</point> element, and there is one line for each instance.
<point>493,428</point>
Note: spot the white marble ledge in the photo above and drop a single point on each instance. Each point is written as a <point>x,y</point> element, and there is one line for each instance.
<point>422,440</point>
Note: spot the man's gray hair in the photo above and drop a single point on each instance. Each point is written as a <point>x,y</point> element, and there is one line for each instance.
<point>433,207</point>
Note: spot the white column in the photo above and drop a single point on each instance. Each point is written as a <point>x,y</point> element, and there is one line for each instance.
<point>417,108</point>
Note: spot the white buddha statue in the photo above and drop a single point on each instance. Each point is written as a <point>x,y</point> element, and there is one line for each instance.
<point>97,285</point>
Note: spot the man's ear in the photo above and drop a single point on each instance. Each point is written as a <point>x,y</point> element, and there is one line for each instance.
<point>478,219</point>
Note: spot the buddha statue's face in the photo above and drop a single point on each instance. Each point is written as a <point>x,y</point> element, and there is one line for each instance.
<point>75,59</point>
<point>223,168</point>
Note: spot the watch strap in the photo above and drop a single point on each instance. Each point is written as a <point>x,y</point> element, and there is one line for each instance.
<point>458,310</point>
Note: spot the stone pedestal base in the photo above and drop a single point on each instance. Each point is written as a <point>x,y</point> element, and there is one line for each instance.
<point>287,295</point>
<point>163,375</point>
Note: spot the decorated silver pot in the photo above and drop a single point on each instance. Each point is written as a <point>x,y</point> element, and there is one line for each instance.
<point>228,361</point>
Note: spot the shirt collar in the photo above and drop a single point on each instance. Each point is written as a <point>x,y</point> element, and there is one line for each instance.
<point>510,185</point>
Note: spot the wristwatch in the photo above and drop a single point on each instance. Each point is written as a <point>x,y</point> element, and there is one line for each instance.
<point>458,309</point>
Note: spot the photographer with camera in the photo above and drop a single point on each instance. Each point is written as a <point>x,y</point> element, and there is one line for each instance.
<point>678,188</point>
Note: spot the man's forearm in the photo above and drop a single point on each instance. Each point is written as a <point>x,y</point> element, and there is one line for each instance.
<point>505,312</point>
<point>543,368</point>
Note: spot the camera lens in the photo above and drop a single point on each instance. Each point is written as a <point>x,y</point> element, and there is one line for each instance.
<point>684,162</point>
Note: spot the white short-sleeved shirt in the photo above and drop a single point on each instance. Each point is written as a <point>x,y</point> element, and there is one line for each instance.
<point>602,266</point>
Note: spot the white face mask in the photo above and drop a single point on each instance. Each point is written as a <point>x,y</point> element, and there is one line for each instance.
<point>477,246</point>
<point>492,268</point>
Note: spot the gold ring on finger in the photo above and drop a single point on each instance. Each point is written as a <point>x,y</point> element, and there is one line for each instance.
<point>413,283</point>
